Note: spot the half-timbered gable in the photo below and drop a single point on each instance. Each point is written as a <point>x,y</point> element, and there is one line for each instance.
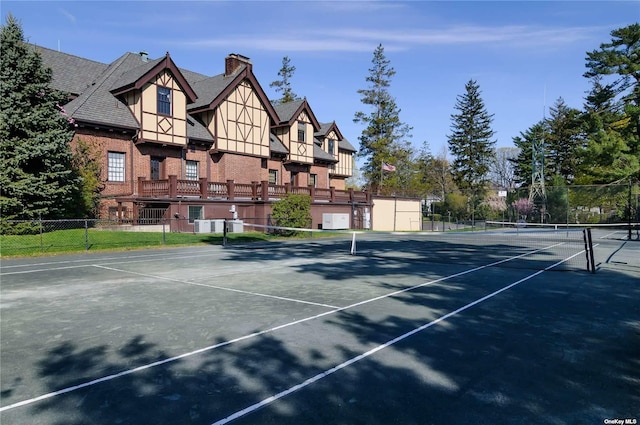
<point>333,142</point>
<point>236,110</point>
<point>296,130</point>
<point>157,94</point>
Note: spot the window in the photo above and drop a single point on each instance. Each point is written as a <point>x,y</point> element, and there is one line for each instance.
<point>191,172</point>
<point>195,213</point>
<point>156,168</point>
<point>302,127</point>
<point>313,180</point>
<point>332,145</point>
<point>164,101</point>
<point>273,176</point>
<point>115,167</point>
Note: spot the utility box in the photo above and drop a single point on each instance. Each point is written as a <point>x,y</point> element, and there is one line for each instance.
<point>217,226</point>
<point>335,221</point>
<point>236,226</point>
<point>202,226</point>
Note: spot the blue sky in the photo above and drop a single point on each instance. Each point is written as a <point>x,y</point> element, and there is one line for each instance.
<point>524,55</point>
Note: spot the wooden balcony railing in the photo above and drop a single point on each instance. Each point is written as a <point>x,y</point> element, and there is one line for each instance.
<point>173,188</point>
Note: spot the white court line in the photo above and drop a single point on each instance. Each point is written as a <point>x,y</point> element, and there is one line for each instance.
<point>257,294</point>
<point>91,259</point>
<point>143,258</point>
<point>259,333</point>
<point>362,356</point>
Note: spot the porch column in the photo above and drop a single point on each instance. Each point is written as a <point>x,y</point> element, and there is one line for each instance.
<point>204,188</point>
<point>231,187</point>
<point>173,186</point>
<point>264,185</point>
<point>141,187</point>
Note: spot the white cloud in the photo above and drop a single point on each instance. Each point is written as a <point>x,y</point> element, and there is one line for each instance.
<point>68,15</point>
<point>364,40</point>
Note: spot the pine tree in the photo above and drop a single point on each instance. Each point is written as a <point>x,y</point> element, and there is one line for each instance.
<point>384,140</point>
<point>283,85</point>
<point>563,140</point>
<point>470,142</point>
<point>37,178</point>
<point>619,61</point>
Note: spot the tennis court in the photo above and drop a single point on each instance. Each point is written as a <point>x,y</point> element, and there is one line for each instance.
<point>415,328</point>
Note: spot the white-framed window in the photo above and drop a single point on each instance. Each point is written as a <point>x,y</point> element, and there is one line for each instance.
<point>313,180</point>
<point>273,176</point>
<point>195,213</point>
<point>115,166</point>
<point>302,131</point>
<point>191,170</point>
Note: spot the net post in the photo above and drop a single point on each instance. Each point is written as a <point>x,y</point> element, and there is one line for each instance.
<point>224,233</point>
<point>591,254</point>
<point>588,249</point>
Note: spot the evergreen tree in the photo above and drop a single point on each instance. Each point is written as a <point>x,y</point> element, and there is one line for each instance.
<point>37,178</point>
<point>619,61</point>
<point>563,141</point>
<point>522,168</point>
<point>384,140</point>
<point>283,86</point>
<point>470,142</point>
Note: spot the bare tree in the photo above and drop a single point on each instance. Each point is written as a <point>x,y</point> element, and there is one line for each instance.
<point>502,170</point>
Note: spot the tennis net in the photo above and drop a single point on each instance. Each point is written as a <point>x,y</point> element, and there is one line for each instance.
<point>508,247</point>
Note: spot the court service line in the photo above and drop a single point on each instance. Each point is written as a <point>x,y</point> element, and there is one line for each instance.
<point>240,291</point>
<point>374,350</point>
<point>263,332</point>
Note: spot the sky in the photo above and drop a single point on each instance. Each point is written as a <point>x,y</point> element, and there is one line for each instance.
<point>523,55</point>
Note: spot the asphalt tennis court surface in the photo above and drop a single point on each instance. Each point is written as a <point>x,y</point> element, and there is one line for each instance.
<point>305,333</point>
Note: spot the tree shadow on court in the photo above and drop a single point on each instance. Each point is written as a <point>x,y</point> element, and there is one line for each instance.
<point>560,350</point>
<point>334,261</point>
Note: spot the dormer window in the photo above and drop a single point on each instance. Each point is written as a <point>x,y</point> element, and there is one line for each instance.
<point>331,146</point>
<point>164,101</point>
<point>302,127</point>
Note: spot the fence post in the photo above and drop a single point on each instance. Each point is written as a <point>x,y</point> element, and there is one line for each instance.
<point>86,235</point>
<point>164,237</point>
<point>41,243</point>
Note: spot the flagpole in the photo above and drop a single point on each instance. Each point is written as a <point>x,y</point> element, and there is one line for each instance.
<point>381,175</point>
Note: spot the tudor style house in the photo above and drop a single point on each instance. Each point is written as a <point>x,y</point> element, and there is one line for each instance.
<point>176,143</point>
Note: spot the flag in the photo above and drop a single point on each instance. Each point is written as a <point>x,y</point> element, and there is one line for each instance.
<point>388,167</point>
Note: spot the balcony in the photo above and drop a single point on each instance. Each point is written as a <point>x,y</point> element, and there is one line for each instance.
<point>174,188</point>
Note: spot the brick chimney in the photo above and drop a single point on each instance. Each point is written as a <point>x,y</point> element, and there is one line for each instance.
<point>235,61</point>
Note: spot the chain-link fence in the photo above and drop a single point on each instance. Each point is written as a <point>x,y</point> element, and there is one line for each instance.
<point>590,204</point>
<point>35,237</point>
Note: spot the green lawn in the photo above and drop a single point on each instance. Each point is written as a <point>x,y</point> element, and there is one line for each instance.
<point>79,240</point>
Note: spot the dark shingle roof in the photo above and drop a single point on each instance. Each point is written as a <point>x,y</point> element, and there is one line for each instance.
<point>197,131</point>
<point>71,74</point>
<point>286,111</point>
<point>98,105</point>
<point>321,155</point>
<point>209,89</point>
<point>346,146</point>
<point>132,75</point>
<point>276,145</point>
